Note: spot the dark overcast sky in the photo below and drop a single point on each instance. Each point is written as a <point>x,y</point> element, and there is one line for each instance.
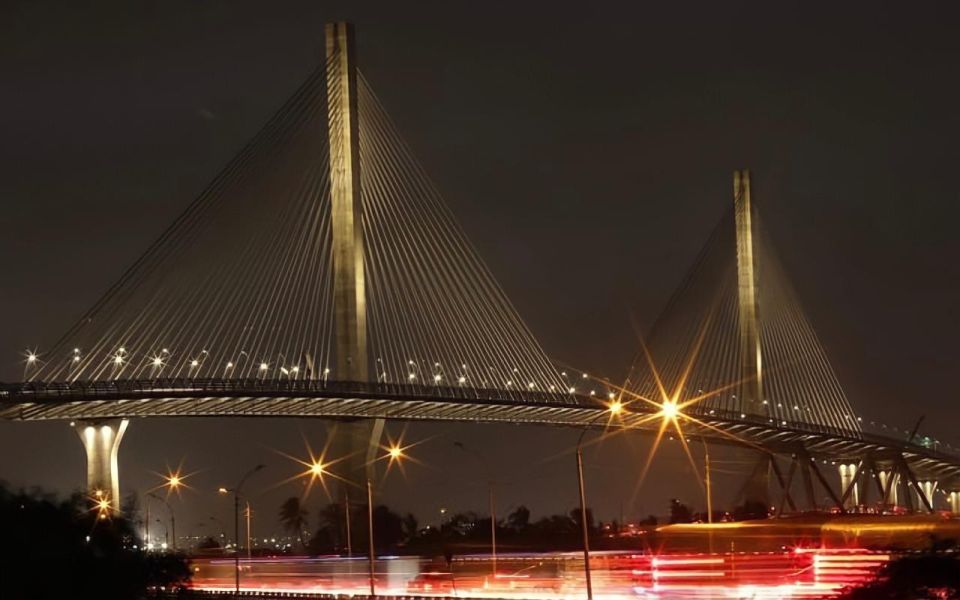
<point>587,148</point>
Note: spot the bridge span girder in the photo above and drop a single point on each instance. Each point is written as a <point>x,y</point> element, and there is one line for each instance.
<point>340,400</point>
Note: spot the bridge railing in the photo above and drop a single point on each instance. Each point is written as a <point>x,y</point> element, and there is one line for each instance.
<point>80,389</point>
<point>59,391</point>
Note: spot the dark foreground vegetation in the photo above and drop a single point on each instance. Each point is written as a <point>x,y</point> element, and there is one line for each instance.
<point>58,549</point>
<point>929,575</point>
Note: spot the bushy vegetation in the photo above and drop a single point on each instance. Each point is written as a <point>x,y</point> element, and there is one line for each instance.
<point>56,549</point>
<point>931,575</point>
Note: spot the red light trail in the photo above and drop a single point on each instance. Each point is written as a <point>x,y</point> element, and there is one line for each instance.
<point>801,573</point>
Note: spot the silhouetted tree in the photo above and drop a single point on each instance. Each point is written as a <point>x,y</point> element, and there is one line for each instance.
<point>389,529</point>
<point>411,527</point>
<point>679,512</point>
<point>751,509</point>
<point>519,519</point>
<point>293,517</point>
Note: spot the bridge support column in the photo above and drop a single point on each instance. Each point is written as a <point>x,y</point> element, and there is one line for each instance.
<point>927,487</point>
<point>101,440</point>
<point>954,499</point>
<point>889,481</point>
<point>849,487</point>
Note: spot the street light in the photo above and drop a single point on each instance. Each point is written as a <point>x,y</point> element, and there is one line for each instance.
<point>372,553</point>
<point>613,409</point>
<point>173,520</point>
<point>236,521</point>
<point>395,453</point>
<point>493,513</point>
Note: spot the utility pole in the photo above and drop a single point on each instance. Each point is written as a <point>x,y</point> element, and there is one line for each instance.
<point>491,492</point>
<point>493,532</point>
<point>346,510</point>
<point>249,548</point>
<point>373,556</point>
<point>706,470</point>
<point>146,523</point>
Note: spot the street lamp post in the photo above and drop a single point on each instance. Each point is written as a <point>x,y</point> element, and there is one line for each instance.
<point>249,545</point>
<point>236,523</point>
<point>373,587</point>
<point>346,516</point>
<point>613,409</point>
<point>173,520</point>
<point>493,512</point>
<point>146,525</point>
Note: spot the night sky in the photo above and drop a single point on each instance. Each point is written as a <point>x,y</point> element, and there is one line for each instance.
<point>586,148</point>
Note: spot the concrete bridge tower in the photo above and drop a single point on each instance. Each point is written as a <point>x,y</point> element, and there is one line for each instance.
<point>750,390</point>
<point>357,439</point>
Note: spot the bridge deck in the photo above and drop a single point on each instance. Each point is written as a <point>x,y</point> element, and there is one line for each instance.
<point>303,398</point>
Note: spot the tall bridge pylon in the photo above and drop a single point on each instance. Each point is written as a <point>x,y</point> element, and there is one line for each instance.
<point>358,440</point>
<point>751,354</point>
<point>734,340</point>
<point>322,256</point>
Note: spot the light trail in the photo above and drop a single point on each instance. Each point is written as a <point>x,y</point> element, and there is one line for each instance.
<point>801,573</point>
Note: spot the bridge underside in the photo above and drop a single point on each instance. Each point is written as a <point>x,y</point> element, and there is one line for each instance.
<point>222,398</point>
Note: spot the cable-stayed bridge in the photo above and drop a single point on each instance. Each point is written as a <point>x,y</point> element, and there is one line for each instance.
<point>321,274</point>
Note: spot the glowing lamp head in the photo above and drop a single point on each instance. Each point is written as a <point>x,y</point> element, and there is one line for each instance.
<point>173,482</point>
<point>158,362</point>
<point>318,469</point>
<point>194,363</point>
<point>615,407</point>
<point>395,453</point>
<point>222,490</point>
<point>264,366</point>
<point>669,409</point>
<point>31,357</point>
<point>118,360</point>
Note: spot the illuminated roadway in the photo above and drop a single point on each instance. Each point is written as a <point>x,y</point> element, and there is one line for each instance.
<point>558,576</point>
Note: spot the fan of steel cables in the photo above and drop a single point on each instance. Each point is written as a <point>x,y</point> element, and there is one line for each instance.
<point>695,348</point>
<point>240,286</point>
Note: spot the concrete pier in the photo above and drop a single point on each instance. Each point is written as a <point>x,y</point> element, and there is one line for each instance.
<point>101,440</point>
